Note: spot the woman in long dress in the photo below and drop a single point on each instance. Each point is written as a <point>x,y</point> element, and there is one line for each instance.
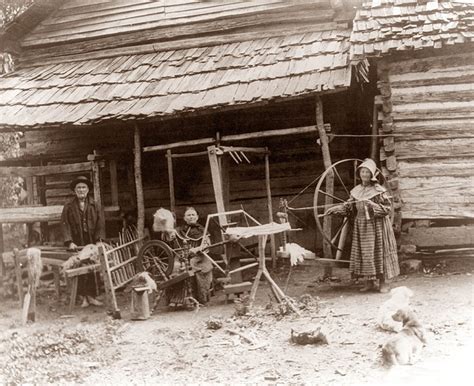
<point>193,232</point>
<point>374,249</point>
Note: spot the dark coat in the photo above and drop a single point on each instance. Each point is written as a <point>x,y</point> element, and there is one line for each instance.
<point>71,222</point>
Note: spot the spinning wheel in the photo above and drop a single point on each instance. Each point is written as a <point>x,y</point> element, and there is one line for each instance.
<point>345,177</point>
<point>158,259</point>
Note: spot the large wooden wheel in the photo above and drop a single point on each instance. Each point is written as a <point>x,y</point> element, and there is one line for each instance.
<point>345,177</point>
<point>157,259</point>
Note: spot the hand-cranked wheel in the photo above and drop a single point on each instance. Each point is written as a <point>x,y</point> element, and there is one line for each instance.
<point>334,188</point>
<point>157,259</point>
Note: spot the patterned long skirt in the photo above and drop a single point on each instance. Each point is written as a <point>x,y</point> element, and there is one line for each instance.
<point>374,249</point>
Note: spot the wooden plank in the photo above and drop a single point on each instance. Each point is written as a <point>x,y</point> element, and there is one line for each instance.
<point>217,183</point>
<point>108,283</point>
<point>152,23</point>
<point>439,236</point>
<point>450,93</point>
<point>455,167</point>
<point>82,270</point>
<point>433,129</point>
<point>455,211</point>
<point>24,214</point>
<point>235,137</point>
<point>457,147</point>
<point>434,63</point>
<point>31,171</point>
<point>76,51</point>
<point>201,141</point>
<point>423,79</point>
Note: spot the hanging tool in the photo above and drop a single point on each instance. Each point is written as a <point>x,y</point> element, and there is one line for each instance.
<point>245,157</point>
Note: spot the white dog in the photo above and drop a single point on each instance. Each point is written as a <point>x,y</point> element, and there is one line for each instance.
<point>400,298</point>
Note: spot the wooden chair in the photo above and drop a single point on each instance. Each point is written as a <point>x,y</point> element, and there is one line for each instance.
<point>118,266</point>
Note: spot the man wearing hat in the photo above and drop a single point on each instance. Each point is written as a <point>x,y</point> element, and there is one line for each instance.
<point>81,225</point>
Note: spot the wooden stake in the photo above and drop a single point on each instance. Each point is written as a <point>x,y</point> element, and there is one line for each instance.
<point>137,152</point>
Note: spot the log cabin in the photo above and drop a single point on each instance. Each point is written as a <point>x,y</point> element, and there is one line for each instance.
<point>423,52</point>
<point>147,87</point>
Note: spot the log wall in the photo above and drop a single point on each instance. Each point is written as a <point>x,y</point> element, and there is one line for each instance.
<point>429,120</point>
<point>295,160</point>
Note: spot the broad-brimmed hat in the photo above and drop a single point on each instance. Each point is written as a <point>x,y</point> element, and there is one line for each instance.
<point>78,180</point>
<point>370,164</point>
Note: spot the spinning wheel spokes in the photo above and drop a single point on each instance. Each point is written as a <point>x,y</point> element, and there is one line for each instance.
<point>344,177</point>
<point>158,259</point>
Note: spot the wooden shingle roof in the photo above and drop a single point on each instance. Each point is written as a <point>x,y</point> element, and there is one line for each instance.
<point>159,84</point>
<point>384,26</point>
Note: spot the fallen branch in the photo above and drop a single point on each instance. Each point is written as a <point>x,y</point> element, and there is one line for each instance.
<point>243,336</point>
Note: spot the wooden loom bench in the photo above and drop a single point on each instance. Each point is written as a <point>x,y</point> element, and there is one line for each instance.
<point>72,276</point>
<point>50,256</point>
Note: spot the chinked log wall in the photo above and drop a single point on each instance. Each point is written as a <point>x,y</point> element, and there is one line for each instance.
<point>429,151</point>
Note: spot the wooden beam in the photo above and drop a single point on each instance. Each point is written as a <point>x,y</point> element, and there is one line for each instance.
<point>217,183</point>
<point>258,150</point>
<point>439,236</point>
<point>230,138</point>
<point>171,180</point>
<point>192,142</point>
<point>327,224</point>
<point>138,181</point>
<point>31,171</point>
<point>77,51</point>
<point>30,214</point>
<point>269,133</point>
<point>185,155</point>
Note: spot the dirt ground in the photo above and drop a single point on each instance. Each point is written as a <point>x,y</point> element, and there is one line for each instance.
<point>177,347</point>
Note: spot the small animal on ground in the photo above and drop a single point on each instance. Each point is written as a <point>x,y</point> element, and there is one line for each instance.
<point>399,298</point>
<point>406,346</point>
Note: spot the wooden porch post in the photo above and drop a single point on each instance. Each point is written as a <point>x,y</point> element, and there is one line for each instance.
<point>270,208</point>
<point>329,180</point>
<point>113,182</point>
<point>171,179</point>
<point>137,162</point>
<point>96,183</point>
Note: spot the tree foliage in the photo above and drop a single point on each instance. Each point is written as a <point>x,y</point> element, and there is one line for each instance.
<point>9,9</point>
<point>10,188</point>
